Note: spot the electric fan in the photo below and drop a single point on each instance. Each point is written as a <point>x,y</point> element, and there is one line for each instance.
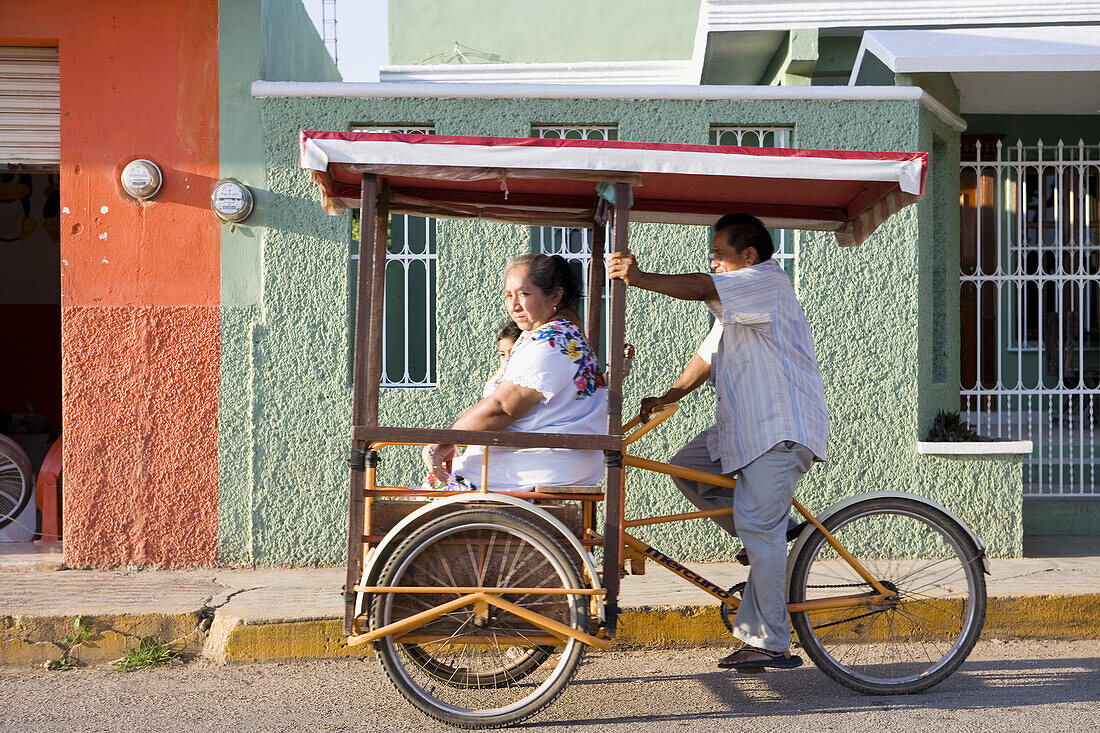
<point>16,493</point>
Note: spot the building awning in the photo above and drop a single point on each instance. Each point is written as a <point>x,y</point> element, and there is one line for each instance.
<point>1002,70</point>
<point>559,182</point>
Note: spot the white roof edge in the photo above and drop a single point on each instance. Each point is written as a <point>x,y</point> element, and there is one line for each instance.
<point>686,92</point>
<point>747,15</point>
<point>670,71</point>
<point>478,69</point>
<point>870,43</point>
<point>988,49</point>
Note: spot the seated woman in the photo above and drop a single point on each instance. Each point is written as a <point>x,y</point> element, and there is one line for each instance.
<point>551,383</point>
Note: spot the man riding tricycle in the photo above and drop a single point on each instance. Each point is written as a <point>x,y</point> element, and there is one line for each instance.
<point>481,592</point>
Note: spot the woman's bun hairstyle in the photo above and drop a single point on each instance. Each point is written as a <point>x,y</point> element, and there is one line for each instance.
<point>549,273</point>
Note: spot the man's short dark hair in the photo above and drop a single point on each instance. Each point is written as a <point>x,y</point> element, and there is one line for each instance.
<point>744,230</point>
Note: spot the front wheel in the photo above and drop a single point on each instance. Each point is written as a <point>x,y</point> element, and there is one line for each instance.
<point>925,631</point>
<point>480,667</point>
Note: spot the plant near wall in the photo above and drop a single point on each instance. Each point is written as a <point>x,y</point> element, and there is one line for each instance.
<point>948,427</point>
<point>148,654</point>
<point>79,635</point>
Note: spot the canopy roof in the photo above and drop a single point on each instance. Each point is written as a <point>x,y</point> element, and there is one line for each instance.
<point>559,182</point>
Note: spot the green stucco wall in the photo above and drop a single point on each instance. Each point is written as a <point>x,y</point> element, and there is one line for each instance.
<point>938,258</point>
<point>259,39</point>
<point>524,31</point>
<point>869,307</point>
<point>292,49</point>
<point>940,86</point>
<point>273,40</point>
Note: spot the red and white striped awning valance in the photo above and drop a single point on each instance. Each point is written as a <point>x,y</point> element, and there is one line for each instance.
<point>556,182</point>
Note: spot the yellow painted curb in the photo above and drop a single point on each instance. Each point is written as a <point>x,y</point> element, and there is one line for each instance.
<point>666,627</point>
<point>34,640</point>
<point>234,639</point>
<point>237,640</point>
<point>1046,617</point>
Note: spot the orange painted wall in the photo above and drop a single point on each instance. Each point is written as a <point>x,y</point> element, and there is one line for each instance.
<point>140,282</point>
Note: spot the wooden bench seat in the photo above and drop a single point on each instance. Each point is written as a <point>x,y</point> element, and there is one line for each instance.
<point>587,490</point>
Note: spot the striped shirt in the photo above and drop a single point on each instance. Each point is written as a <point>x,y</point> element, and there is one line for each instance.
<point>765,373</point>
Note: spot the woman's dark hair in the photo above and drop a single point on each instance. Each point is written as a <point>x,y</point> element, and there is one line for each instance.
<point>549,273</point>
<point>743,231</point>
<point>509,330</point>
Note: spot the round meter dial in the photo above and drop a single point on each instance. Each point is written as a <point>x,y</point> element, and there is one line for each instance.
<point>141,178</point>
<point>231,200</point>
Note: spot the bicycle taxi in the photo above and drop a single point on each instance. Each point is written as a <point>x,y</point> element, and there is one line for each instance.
<point>479,605</point>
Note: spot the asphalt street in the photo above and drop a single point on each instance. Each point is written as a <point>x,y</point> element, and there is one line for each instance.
<point>1020,685</point>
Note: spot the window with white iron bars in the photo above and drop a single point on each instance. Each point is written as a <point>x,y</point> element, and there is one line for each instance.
<point>1029,300</point>
<point>762,137</point>
<point>575,245</point>
<point>408,338</point>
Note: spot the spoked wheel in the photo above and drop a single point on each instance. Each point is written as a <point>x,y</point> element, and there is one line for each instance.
<point>925,631</point>
<point>480,666</point>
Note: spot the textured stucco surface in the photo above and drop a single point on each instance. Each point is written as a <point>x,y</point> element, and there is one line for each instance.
<point>868,308</point>
<point>141,408</point>
<point>273,40</point>
<point>260,39</point>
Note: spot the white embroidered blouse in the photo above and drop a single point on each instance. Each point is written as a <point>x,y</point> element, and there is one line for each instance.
<point>556,361</point>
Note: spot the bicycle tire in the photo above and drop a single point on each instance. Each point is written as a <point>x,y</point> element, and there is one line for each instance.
<point>922,636</point>
<point>469,677</point>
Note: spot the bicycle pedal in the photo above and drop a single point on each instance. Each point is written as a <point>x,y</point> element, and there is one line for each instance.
<point>793,532</point>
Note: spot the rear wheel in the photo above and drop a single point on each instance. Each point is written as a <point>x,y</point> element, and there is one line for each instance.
<point>918,638</point>
<point>480,667</point>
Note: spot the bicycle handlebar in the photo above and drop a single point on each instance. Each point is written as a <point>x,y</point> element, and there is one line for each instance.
<point>656,418</point>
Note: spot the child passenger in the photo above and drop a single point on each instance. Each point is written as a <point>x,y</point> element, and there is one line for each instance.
<point>508,334</point>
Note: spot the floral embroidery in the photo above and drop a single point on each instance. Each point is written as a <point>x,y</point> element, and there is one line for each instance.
<point>495,379</point>
<point>567,338</point>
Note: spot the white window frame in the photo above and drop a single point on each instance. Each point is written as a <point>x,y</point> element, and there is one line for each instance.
<point>404,259</point>
<point>1049,191</point>
<point>555,240</point>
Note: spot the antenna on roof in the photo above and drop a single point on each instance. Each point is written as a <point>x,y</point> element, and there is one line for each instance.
<point>328,26</point>
<point>460,53</point>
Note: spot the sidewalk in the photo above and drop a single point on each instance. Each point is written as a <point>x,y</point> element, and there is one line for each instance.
<point>285,613</point>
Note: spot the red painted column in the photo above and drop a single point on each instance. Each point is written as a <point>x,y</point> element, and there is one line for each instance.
<point>140,281</point>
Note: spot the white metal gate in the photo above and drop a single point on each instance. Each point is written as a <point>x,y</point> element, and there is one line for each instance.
<point>1030,307</point>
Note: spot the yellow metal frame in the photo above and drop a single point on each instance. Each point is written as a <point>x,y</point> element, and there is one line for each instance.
<point>634,550</point>
<point>479,589</point>
<point>558,630</point>
<point>726,481</point>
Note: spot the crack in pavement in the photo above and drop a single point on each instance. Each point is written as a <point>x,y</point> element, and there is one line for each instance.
<point>1022,575</point>
<point>213,603</point>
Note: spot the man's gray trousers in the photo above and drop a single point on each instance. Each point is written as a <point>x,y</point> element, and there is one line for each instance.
<point>761,510</point>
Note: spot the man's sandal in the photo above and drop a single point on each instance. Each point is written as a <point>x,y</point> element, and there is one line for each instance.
<point>752,659</point>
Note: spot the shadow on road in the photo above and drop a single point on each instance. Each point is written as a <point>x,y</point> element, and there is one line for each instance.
<point>978,685</point>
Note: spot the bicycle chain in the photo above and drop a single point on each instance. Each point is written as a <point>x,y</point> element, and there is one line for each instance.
<point>840,585</point>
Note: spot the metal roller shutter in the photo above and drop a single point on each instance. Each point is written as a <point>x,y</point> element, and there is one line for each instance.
<point>30,108</point>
